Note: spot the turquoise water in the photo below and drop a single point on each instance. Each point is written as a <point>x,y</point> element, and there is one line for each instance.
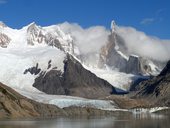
<point>137,121</point>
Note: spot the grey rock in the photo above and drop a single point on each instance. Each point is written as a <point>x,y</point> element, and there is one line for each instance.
<point>75,81</point>
<point>156,89</point>
<point>50,82</point>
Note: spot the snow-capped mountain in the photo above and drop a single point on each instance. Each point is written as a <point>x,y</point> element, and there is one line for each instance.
<point>37,60</point>
<point>113,54</point>
<point>32,40</point>
<point>38,57</point>
<point>116,55</point>
<point>34,35</point>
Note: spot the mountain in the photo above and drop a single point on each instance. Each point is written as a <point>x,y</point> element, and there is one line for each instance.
<point>157,89</point>
<point>116,55</point>
<point>33,35</point>
<point>44,58</point>
<point>75,81</point>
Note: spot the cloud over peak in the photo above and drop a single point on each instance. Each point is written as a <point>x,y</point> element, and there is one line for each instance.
<point>139,43</point>
<point>90,40</point>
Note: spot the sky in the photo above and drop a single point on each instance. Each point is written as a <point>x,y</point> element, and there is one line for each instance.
<point>149,16</point>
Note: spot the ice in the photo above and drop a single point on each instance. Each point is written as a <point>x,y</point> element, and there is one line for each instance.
<point>63,101</point>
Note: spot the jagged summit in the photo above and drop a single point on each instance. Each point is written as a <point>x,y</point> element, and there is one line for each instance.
<point>35,35</point>
<point>113,26</point>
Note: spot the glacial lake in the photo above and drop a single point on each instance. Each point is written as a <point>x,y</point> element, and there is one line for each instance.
<point>133,121</point>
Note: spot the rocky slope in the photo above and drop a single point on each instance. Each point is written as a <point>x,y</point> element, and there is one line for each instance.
<point>157,89</point>
<point>14,105</point>
<point>75,81</point>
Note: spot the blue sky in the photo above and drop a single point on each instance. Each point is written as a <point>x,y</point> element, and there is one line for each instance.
<point>150,16</point>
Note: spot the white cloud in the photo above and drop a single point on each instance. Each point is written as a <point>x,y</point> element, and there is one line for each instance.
<point>3,1</point>
<point>147,21</point>
<point>139,43</point>
<point>89,40</point>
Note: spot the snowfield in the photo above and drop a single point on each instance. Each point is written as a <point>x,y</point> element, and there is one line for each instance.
<point>14,62</point>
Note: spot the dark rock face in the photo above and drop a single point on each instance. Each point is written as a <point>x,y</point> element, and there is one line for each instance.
<point>81,82</point>
<point>166,70</point>
<point>133,65</point>
<point>157,89</point>
<point>50,82</point>
<point>116,60</point>
<point>33,70</point>
<point>75,81</point>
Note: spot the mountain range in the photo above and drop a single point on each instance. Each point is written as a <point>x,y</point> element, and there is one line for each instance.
<point>46,64</point>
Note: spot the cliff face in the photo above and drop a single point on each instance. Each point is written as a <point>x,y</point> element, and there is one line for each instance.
<point>157,89</point>
<point>75,81</point>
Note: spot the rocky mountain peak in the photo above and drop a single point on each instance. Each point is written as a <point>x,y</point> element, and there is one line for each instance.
<point>113,26</point>
<point>34,34</point>
<point>32,27</point>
